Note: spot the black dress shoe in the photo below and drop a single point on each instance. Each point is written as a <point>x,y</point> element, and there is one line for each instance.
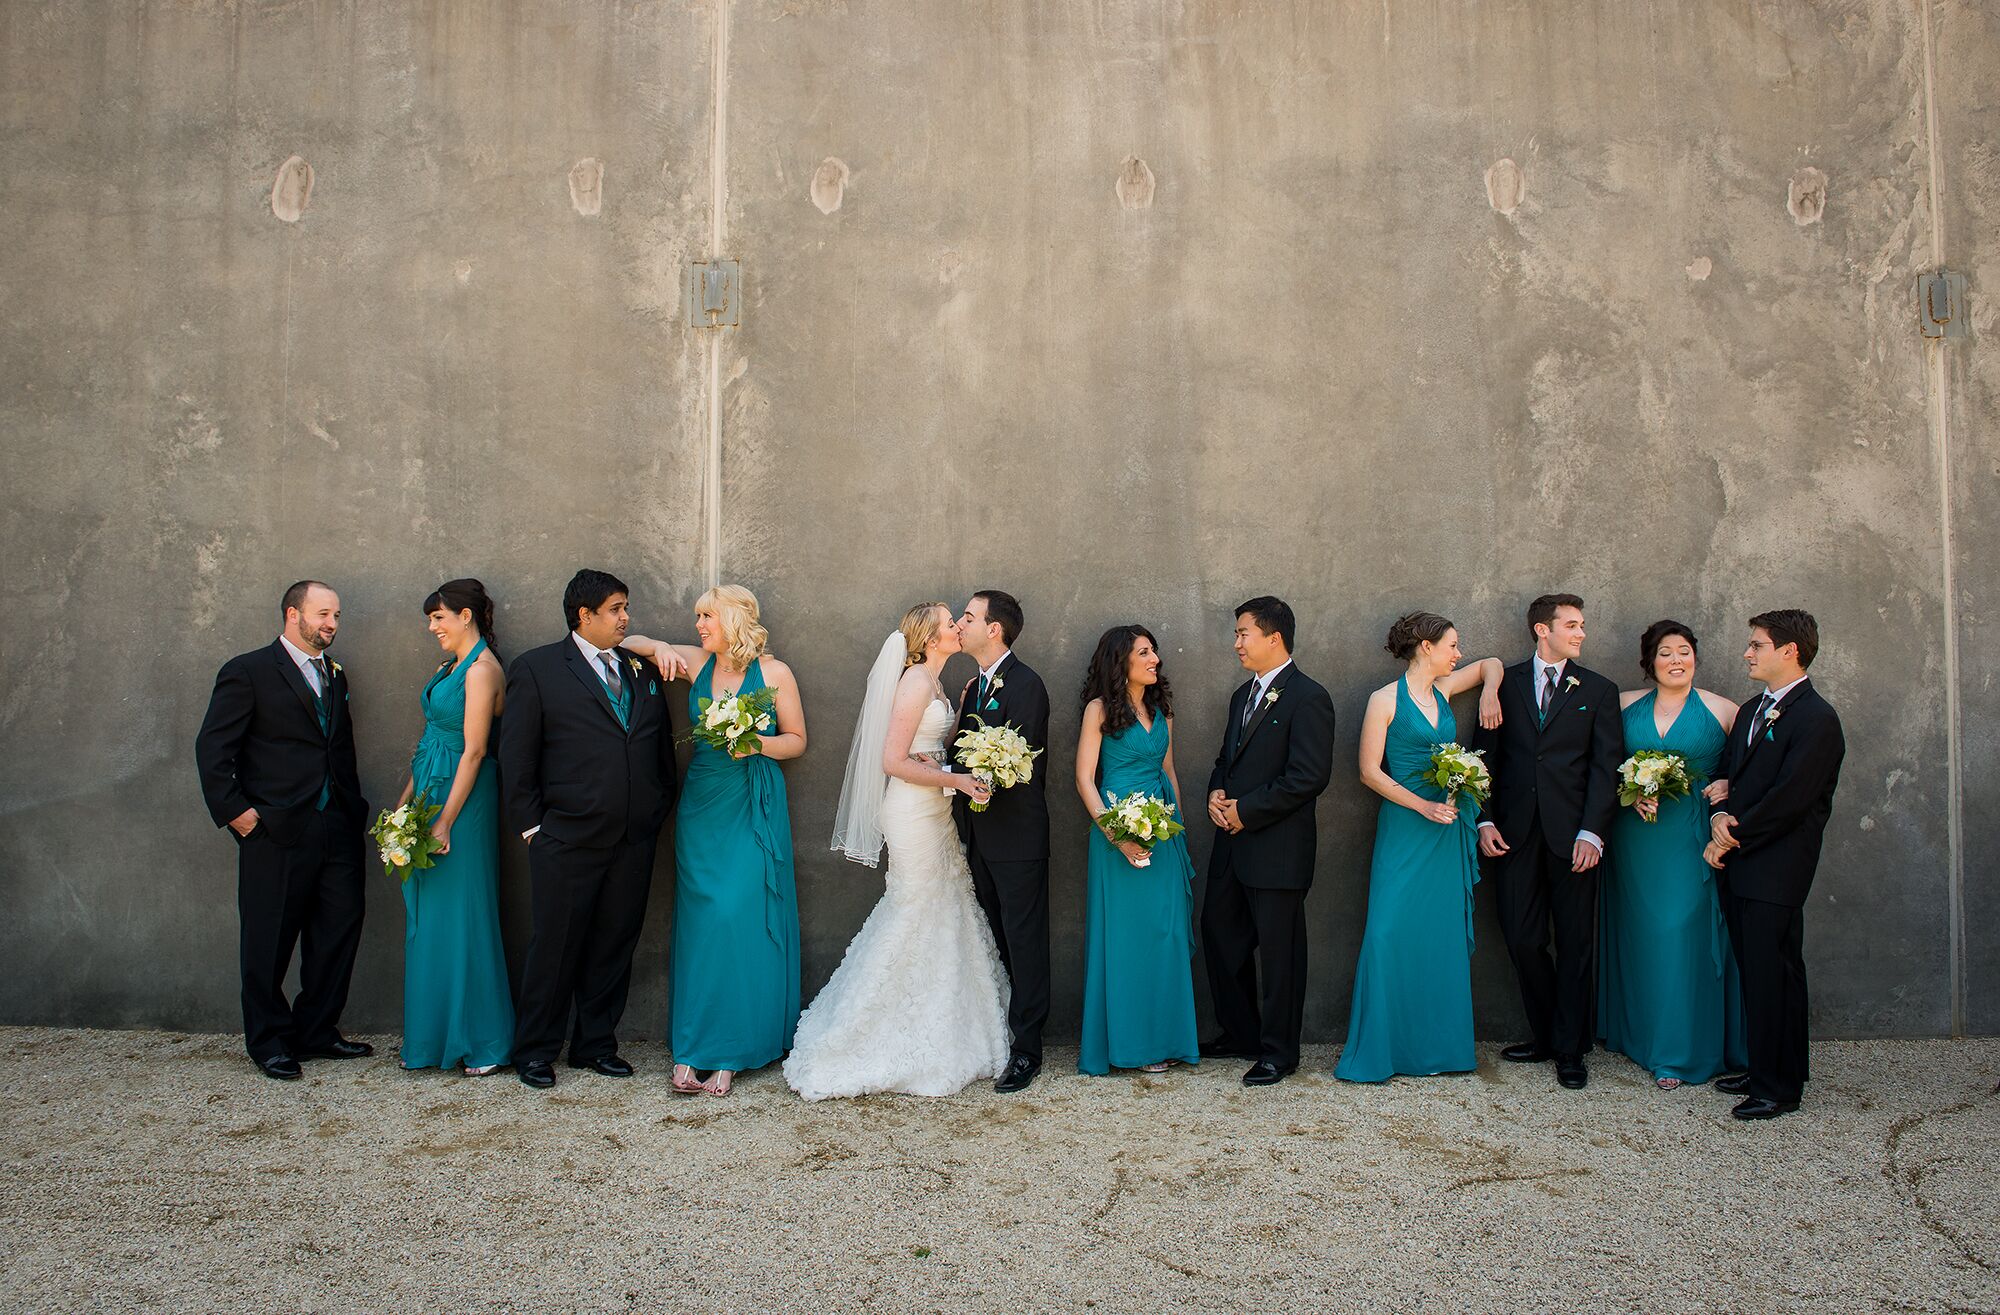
<point>339,1048</point>
<point>1735,1085</point>
<point>282,1067</point>
<point>1018,1075</point>
<point>1264,1073</point>
<point>1526,1052</point>
<point>611,1066</point>
<point>1223,1050</point>
<point>1756,1107</point>
<point>1571,1072</point>
<point>536,1073</point>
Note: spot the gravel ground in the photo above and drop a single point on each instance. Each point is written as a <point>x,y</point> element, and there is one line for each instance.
<point>152,1171</point>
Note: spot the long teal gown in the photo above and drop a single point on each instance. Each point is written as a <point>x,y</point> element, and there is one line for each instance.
<point>1412,1010</point>
<point>736,911</point>
<point>1138,979</point>
<point>1667,993</point>
<point>457,1009</point>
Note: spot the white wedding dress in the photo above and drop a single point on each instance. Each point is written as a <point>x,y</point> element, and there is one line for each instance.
<point>919,1002</point>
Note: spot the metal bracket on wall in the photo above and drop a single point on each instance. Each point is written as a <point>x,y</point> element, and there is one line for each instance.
<point>1941,304</point>
<point>714,293</point>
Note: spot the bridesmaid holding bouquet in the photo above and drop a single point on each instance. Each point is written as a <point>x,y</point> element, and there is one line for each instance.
<point>1412,1009</point>
<point>735,966</point>
<point>457,1010</point>
<point>1138,992</point>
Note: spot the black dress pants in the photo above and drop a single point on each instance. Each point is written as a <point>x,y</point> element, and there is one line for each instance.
<point>1537,889</point>
<point>1769,940</point>
<point>311,895</point>
<point>1015,898</point>
<point>588,906</point>
<point>1244,928</point>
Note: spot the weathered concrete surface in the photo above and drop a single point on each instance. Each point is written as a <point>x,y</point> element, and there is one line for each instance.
<point>1135,309</point>
<point>368,1188</point>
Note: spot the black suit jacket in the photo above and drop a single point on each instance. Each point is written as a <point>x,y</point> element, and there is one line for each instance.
<point>261,746</point>
<point>566,763</point>
<point>1015,826</point>
<point>1559,778</point>
<point>1781,787</point>
<point>1275,771</point>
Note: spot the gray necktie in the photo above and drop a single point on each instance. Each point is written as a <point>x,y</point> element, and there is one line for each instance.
<point>611,679</point>
<point>319,673</point>
<point>1250,704</point>
<point>1762,719</point>
<point>1548,692</point>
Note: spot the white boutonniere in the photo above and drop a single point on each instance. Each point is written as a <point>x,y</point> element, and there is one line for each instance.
<point>635,665</point>
<point>1571,683</point>
<point>995,685</point>
<point>1272,697</point>
<point>1771,717</point>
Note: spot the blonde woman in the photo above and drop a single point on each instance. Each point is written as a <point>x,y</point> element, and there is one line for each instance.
<point>919,1002</point>
<point>735,964</point>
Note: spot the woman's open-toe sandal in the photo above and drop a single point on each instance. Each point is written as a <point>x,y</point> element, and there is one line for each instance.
<point>688,1085</point>
<point>719,1082</point>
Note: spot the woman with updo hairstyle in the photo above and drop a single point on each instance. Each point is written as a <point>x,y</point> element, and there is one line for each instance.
<point>1412,1010</point>
<point>457,1009</point>
<point>1138,978</point>
<point>1666,978</point>
<point>735,955</point>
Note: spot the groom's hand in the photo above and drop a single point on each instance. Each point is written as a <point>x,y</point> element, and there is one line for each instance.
<point>244,822</point>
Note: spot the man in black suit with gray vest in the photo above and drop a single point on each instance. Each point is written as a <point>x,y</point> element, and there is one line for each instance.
<point>276,756</point>
<point>1782,766</point>
<point>587,763</point>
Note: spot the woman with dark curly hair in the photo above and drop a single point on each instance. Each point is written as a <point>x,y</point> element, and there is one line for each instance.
<point>1412,1009</point>
<point>1138,985</point>
<point>1667,992</point>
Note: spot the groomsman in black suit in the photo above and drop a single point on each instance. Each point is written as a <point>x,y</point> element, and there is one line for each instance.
<point>587,762</point>
<point>1007,845</point>
<point>1554,760</point>
<point>276,756</point>
<point>1782,766</point>
<point>1276,760</point>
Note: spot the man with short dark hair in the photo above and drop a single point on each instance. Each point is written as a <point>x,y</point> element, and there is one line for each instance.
<point>1275,762</point>
<point>587,763</point>
<point>1554,760</point>
<point>1782,765</point>
<point>1007,843</point>
<point>276,756</point>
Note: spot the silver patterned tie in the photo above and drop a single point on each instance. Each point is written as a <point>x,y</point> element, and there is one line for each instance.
<point>611,679</point>
<point>1548,693</point>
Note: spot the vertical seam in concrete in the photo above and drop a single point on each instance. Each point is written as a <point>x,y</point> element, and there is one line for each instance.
<point>718,215</point>
<point>1940,425</point>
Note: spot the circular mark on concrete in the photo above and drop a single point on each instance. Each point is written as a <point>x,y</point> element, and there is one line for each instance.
<point>1506,185</point>
<point>1805,197</point>
<point>586,186</point>
<point>1135,184</point>
<point>292,190</point>
<point>1700,268</point>
<point>829,185</point>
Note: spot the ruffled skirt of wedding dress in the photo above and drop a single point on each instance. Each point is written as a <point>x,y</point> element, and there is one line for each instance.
<point>919,1002</point>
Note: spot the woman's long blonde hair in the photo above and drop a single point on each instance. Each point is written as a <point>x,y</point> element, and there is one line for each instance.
<point>735,609</point>
<point>920,626</point>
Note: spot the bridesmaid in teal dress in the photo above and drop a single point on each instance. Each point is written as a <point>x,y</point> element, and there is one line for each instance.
<point>735,966</point>
<point>457,1010</point>
<point>1138,983</point>
<point>1412,1010</point>
<point>1667,987</point>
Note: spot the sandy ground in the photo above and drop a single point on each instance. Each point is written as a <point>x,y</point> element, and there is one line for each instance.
<point>151,1171</point>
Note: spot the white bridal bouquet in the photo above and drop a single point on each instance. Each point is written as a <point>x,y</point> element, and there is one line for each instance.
<point>998,756</point>
<point>1145,819</point>
<point>733,724</point>
<point>1653,774</point>
<point>403,837</point>
<point>1459,771</point>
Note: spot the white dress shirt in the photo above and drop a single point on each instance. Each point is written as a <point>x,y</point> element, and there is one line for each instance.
<point>304,661</point>
<point>986,673</point>
<point>1541,678</point>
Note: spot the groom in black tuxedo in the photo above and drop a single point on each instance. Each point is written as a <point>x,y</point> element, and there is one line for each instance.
<point>587,761</point>
<point>1782,766</point>
<point>1007,845</point>
<point>1276,760</point>
<point>276,755</point>
<point>1554,760</point>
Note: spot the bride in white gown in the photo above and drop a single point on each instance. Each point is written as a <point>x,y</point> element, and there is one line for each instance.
<point>919,1002</point>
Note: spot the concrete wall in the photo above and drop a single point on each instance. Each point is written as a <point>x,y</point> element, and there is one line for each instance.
<point>1135,309</point>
